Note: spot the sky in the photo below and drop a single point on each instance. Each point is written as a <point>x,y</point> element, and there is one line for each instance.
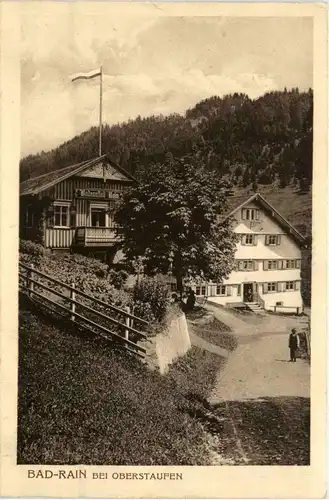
<point>152,64</point>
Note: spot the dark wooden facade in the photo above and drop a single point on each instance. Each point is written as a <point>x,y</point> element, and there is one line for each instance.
<point>74,211</point>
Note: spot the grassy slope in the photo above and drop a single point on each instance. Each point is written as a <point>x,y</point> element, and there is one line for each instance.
<point>81,402</point>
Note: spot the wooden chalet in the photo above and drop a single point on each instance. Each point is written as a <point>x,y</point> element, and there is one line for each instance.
<point>72,208</point>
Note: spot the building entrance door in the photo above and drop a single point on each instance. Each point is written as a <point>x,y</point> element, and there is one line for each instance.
<point>248,292</point>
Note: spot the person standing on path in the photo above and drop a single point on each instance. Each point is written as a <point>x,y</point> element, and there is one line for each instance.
<point>293,344</point>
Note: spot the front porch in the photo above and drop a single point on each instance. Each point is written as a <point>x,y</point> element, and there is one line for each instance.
<point>90,236</point>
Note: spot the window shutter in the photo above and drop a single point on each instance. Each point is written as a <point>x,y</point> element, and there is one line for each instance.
<point>228,291</point>
<point>266,239</point>
<point>255,239</point>
<point>50,221</point>
<point>243,239</point>
<point>256,265</point>
<point>281,286</point>
<point>243,214</point>
<point>73,219</point>
<point>265,287</point>
<point>297,285</point>
<point>278,239</point>
<point>265,265</point>
<point>280,262</point>
<point>298,264</point>
<point>240,265</point>
<point>284,264</point>
<point>257,214</point>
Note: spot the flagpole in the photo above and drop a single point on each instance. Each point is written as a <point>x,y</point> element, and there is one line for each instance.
<point>100,111</point>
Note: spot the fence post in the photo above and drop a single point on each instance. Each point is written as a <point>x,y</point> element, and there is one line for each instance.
<point>132,319</point>
<point>31,284</point>
<point>127,308</point>
<point>72,295</point>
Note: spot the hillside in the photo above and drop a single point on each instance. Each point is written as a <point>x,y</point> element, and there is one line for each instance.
<point>254,142</point>
<point>262,145</point>
<point>75,390</point>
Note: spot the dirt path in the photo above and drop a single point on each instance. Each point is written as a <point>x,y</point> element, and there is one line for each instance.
<point>262,400</point>
<point>247,324</point>
<point>261,368</point>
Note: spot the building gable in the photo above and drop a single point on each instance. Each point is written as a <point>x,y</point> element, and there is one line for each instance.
<point>262,217</point>
<point>253,218</point>
<point>103,165</point>
<point>104,170</point>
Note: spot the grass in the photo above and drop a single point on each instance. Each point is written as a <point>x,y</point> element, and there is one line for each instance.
<point>217,333</point>
<point>271,430</point>
<point>80,401</point>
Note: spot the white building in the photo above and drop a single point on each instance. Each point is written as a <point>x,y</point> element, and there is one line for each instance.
<point>268,261</point>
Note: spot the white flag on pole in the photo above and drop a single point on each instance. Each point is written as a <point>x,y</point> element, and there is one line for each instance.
<point>86,76</point>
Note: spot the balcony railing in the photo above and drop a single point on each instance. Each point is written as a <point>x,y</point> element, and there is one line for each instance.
<point>96,236</point>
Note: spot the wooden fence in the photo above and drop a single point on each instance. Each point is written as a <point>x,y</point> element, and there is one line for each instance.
<point>306,330</point>
<point>79,308</point>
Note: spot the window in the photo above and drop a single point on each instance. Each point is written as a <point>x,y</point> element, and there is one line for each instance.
<point>272,287</point>
<point>221,290</point>
<point>273,265</point>
<point>98,217</point>
<point>290,264</point>
<point>272,239</point>
<point>250,214</point>
<point>249,239</point>
<point>290,285</point>
<point>247,265</point>
<point>61,215</point>
<point>200,290</point>
<point>238,290</point>
<point>29,217</point>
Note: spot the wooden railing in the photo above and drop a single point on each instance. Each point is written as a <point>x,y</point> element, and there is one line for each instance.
<point>62,299</point>
<point>98,236</point>
<point>293,309</point>
<point>259,300</point>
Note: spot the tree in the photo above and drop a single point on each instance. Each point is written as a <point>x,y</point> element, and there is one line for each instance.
<point>173,220</point>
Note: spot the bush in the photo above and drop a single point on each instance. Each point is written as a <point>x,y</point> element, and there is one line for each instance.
<point>118,278</point>
<point>89,275</point>
<point>30,248</point>
<point>155,293</point>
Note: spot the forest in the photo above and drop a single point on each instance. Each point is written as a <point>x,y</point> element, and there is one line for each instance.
<point>251,142</point>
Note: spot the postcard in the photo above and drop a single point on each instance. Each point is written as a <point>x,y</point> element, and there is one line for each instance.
<point>163,249</point>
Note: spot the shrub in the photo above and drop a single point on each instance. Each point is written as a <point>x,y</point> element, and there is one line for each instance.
<point>118,278</point>
<point>89,276</point>
<point>155,293</point>
<point>30,248</point>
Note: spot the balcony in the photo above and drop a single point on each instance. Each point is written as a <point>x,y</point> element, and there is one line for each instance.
<point>96,236</point>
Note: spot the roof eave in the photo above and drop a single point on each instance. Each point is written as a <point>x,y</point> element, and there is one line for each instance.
<point>80,168</point>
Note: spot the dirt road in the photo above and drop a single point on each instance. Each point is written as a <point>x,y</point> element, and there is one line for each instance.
<point>261,401</point>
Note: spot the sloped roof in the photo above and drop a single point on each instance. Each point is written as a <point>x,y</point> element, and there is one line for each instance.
<point>237,202</point>
<point>38,184</point>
